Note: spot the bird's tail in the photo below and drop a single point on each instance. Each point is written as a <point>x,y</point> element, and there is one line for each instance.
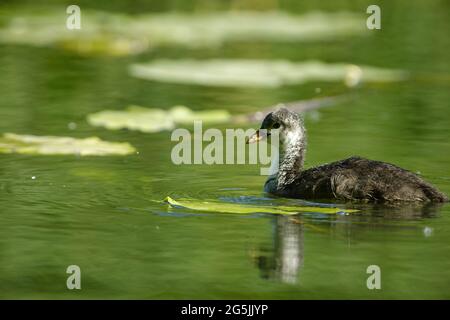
<point>433,194</point>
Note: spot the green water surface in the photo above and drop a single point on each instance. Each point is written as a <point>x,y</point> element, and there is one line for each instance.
<point>100,212</point>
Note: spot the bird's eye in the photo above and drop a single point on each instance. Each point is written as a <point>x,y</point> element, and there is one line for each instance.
<point>276,125</point>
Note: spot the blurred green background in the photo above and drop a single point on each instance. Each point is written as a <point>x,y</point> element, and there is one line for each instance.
<point>99,212</point>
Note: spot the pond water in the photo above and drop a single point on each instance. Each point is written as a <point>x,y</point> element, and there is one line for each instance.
<point>102,214</point>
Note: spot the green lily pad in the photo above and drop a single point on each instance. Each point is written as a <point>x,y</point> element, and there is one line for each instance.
<point>183,115</point>
<point>50,145</point>
<point>133,118</point>
<point>221,207</point>
<point>100,32</point>
<point>154,120</point>
<point>120,34</point>
<point>259,73</point>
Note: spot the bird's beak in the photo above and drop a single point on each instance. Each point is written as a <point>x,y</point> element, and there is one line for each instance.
<point>258,136</point>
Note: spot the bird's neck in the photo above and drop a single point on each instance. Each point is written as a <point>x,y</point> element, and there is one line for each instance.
<point>291,156</point>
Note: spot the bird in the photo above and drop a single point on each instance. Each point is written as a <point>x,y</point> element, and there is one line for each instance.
<point>355,179</point>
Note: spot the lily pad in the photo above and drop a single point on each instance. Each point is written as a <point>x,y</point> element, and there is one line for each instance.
<point>222,207</point>
<point>120,34</point>
<point>100,33</point>
<point>183,115</point>
<point>133,118</point>
<point>154,120</point>
<point>50,145</point>
<point>259,73</point>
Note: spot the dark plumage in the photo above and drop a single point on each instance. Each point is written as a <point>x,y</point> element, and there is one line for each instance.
<point>354,178</point>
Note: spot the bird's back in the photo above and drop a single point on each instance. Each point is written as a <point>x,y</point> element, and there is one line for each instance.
<point>358,178</point>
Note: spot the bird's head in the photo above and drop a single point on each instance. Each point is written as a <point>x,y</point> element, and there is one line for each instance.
<point>289,124</point>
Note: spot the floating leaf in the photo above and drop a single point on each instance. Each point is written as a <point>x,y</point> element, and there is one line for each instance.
<point>120,34</point>
<point>133,118</point>
<point>101,32</point>
<point>213,29</point>
<point>259,73</point>
<point>49,145</point>
<point>183,115</point>
<point>154,120</point>
<point>222,207</point>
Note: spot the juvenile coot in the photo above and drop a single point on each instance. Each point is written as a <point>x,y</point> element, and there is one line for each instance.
<point>354,179</point>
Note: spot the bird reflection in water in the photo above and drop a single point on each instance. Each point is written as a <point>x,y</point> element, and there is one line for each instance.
<point>284,259</point>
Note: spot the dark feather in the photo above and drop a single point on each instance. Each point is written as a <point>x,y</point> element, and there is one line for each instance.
<point>354,178</point>
<point>358,178</point>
